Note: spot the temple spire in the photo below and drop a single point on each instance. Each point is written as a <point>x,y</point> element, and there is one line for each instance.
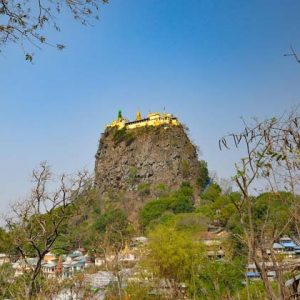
<point>120,115</point>
<point>138,116</point>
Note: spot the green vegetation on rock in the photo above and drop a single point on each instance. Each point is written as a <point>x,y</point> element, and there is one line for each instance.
<point>180,201</point>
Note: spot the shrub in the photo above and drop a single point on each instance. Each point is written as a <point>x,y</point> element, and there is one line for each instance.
<point>212,192</point>
<point>153,210</point>
<point>144,189</point>
<point>179,202</point>
<point>183,199</point>
<point>160,190</point>
<point>185,168</point>
<point>132,175</point>
<point>203,178</point>
<point>115,217</point>
<point>123,135</point>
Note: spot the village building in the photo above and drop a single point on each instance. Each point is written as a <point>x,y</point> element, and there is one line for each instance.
<point>49,257</point>
<point>214,242</point>
<point>75,262</point>
<point>23,265</point>
<point>52,266</point>
<point>70,267</point>
<point>287,246</point>
<point>253,274</point>
<point>289,251</point>
<point>49,269</point>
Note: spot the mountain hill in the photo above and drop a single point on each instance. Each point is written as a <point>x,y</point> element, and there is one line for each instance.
<point>141,159</point>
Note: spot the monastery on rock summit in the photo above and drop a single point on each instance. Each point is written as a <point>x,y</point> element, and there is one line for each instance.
<point>152,119</point>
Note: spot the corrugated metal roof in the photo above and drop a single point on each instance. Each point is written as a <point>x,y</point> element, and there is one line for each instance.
<point>277,246</point>
<point>252,274</point>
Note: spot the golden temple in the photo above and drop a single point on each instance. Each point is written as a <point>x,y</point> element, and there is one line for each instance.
<point>152,119</point>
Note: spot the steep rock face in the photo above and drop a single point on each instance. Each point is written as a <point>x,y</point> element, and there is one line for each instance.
<point>128,160</point>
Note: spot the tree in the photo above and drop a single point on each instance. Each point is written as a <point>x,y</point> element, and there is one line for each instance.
<point>218,207</point>
<point>293,54</point>
<point>6,279</point>
<point>36,223</point>
<point>114,224</point>
<point>272,159</point>
<point>174,257</point>
<point>5,243</point>
<point>24,22</point>
<point>271,214</point>
<point>153,210</point>
<point>112,233</point>
<point>180,201</point>
<point>212,192</point>
<point>252,292</point>
<point>203,178</point>
<point>219,280</point>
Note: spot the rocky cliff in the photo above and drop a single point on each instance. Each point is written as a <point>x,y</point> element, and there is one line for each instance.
<point>139,161</point>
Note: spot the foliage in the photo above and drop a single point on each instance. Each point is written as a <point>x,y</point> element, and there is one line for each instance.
<point>132,176</point>
<point>271,213</point>
<point>77,232</point>
<point>121,135</point>
<point>191,222</point>
<point>160,190</point>
<point>140,291</point>
<point>112,229</point>
<point>173,256</point>
<point>5,242</point>
<point>271,159</point>
<point>253,291</point>
<point>212,192</point>
<point>203,178</point>
<point>24,22</point>
<point>236,237</point>
<point>219,280</point>
<point>217,207</point>
<point>180,201</point>
<point>175,253</point>
<point>36,223</point>
<point>114,216</point>
<point>6,278</point>
<point>185,168</point>
<point>171,252</point>
<point>144,189</point>
<point>153,210</point>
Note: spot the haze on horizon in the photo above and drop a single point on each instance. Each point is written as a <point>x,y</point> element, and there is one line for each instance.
<point>207,62</point>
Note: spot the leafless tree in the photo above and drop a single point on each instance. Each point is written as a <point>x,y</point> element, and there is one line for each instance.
<point>36,223</point>
<point>271,161</point>
<point>111,251</point>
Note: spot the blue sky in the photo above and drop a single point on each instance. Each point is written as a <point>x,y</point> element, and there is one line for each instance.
<point>208,62</point>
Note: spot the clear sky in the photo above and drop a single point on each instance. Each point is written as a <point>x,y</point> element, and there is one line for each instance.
<point>209,62</point>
